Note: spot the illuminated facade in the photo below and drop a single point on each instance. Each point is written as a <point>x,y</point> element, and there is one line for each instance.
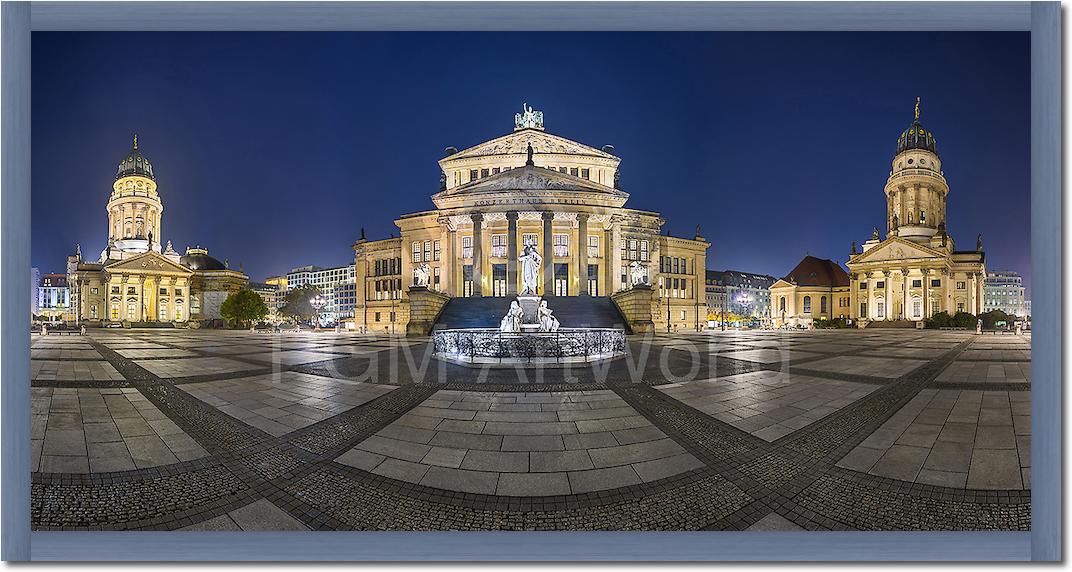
<point>530,187</point>
<point>136,279</point>
<point>915,271</point>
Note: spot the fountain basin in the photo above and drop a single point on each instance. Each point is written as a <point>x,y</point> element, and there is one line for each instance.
<point>491,346</point>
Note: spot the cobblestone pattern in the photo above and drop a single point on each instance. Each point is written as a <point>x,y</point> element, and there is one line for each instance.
<point>359,505</point>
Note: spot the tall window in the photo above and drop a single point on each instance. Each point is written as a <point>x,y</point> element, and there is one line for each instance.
<point>561,244</point>
<point>427,250</point>
<point>807,304</point>
<point>132,311</point>
<point>880,308</point>
<point>163,311</point>
<point>417,251</point>
<point>498,245</point>
<point>528,239</point>
<point>917,308</point>
<point>435,277</point>
<point>643,251</point>
<point>863,309</point>
<point>593,246</point>
<point>593,279</point>
<point>93,311</point>
<point>781,305</point>
<point>115,311</point>
<point>435,251</point>
<point>822,305</point>
<point>467,247</point>
<point>467,280</point>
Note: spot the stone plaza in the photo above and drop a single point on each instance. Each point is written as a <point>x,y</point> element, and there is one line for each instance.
<point>171,429</point>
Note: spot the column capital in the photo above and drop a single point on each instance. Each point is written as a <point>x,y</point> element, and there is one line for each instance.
<point>583,217</point>
<point>512,215</point>
<point>477,217</point>
<point>547,216</point>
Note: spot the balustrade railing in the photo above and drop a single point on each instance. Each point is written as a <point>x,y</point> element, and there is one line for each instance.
<point>491,344</point>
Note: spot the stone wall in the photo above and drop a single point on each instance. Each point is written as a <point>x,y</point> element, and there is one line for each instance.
<point>424,307</point>
<point>635,304</point>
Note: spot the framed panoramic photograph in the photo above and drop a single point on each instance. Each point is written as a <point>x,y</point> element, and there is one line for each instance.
<point>545,281</point>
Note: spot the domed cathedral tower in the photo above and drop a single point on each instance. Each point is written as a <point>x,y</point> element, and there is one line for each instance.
<point>916,190</point>
<point>134,208</point>
<point>914,272</point>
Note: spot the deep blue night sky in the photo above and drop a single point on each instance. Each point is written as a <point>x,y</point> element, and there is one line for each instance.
<point>273,149</point>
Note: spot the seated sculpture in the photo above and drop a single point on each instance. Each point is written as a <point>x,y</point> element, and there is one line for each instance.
<point>511,322</point>
<point>548,323</point>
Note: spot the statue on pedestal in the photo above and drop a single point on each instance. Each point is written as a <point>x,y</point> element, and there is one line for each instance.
<point>422,274</point>
<point>511,322</point>
<point>530,270</point>
<point>638,273</point>
<point>548,323</point>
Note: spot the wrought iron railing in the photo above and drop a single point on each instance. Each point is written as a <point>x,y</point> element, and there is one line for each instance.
<point>489,343</point>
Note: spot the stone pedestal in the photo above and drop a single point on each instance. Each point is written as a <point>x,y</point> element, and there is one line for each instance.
<point>636,305</point>
<point>530,305</point>
<point>424,307</point>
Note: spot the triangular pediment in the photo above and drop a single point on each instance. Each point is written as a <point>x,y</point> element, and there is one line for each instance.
<point>517,143</point>
<point>148,263</point>
<point>531,178</point>
<point>896,248</point>
<point>781,283</point>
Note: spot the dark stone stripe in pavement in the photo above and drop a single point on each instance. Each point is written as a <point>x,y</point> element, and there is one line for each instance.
<point>158,503</point>
<point>833,500</point>
<point>346,503</point>
<point>333,436</point>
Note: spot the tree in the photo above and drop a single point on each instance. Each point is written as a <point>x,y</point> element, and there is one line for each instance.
<point>299,303</point>
<point>243,307</point>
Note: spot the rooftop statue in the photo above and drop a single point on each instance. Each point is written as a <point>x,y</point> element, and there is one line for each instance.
<point>528,119</point>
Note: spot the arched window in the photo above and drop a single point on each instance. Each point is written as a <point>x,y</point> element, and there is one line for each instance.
<point>822,305</point>
<point>781,304</point>
<point>807,304</point>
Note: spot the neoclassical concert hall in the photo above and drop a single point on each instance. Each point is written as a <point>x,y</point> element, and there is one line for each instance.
<point>532,188</point>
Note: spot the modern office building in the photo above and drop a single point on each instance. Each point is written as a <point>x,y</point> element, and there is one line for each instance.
<point>743,294</point>
<point>1004,290</point>
<point>335,285</point>
<point>54,299</point>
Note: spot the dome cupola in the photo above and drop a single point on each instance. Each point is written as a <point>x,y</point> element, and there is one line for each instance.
<point>916,137</point>
<point>135,164</point>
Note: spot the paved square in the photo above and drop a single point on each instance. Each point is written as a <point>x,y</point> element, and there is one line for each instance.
<point>758,430</point>
<point>512,444</point>
<point>280,403</point>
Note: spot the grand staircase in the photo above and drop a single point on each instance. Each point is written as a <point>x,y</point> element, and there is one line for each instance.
<point>571,311</point>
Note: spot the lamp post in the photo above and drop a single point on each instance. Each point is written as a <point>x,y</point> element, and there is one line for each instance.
<point>318,302</point>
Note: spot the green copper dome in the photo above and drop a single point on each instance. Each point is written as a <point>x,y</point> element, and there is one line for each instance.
<point>134,164</point>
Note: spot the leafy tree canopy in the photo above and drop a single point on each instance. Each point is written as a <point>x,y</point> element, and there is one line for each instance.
<point>243,307</point>
<point>299,302</point>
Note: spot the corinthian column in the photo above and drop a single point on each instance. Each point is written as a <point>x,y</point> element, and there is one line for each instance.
<point>478,255</point>
<point>511,253</point>
<point>548,256</point>
<point>582,252</point>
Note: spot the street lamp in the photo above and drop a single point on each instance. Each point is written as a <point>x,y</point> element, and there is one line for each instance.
<point>318,302</point>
